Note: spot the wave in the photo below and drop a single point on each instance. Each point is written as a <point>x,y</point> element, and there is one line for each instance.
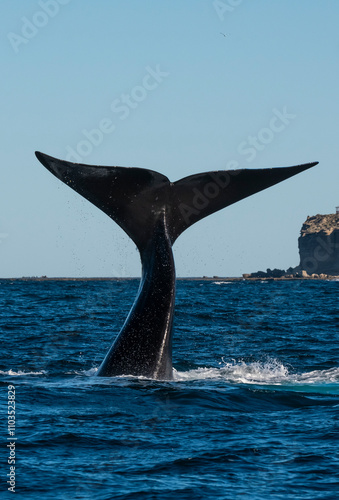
<point>271,373</point>
<point>222,282</point>
<point>21,373</point>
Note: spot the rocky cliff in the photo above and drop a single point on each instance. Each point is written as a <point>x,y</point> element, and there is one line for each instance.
<point>319,245</point>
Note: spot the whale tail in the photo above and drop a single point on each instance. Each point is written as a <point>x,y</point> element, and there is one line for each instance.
<point>154,212</point>
<point>137,199</point>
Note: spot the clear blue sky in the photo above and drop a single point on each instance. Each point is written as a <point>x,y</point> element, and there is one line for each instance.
<point>69,67</point>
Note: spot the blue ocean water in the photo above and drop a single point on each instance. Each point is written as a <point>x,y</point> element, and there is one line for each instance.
<point>252,412</point>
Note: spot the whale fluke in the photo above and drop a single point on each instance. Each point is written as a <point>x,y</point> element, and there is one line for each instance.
<point>154,212</point>
<point>135,197</point>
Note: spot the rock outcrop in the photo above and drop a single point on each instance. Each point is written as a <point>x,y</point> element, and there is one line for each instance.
<point>319,245</point>
<point>318,249</point>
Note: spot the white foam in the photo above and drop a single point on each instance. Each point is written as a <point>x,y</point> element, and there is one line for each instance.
<point>21,373</point>
<point>88,373</point>
<point>222,282</point>
<point>319,376</point>
<point>271,372</point>
<point>239,372</point>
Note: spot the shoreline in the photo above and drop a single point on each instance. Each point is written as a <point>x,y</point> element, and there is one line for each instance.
<point>203,278</point>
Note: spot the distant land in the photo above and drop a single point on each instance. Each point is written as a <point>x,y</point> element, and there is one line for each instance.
<point>318,249</point>
<point>245,277</point>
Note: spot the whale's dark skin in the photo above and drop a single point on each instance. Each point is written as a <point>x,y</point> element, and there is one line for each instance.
<point>154,212</point>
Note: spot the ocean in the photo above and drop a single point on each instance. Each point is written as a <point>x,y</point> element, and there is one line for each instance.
<point>252,412</point>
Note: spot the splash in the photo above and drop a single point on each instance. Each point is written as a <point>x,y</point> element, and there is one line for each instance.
<point>239,372</point>
<point>270,373</point>
<point>88,373</point>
